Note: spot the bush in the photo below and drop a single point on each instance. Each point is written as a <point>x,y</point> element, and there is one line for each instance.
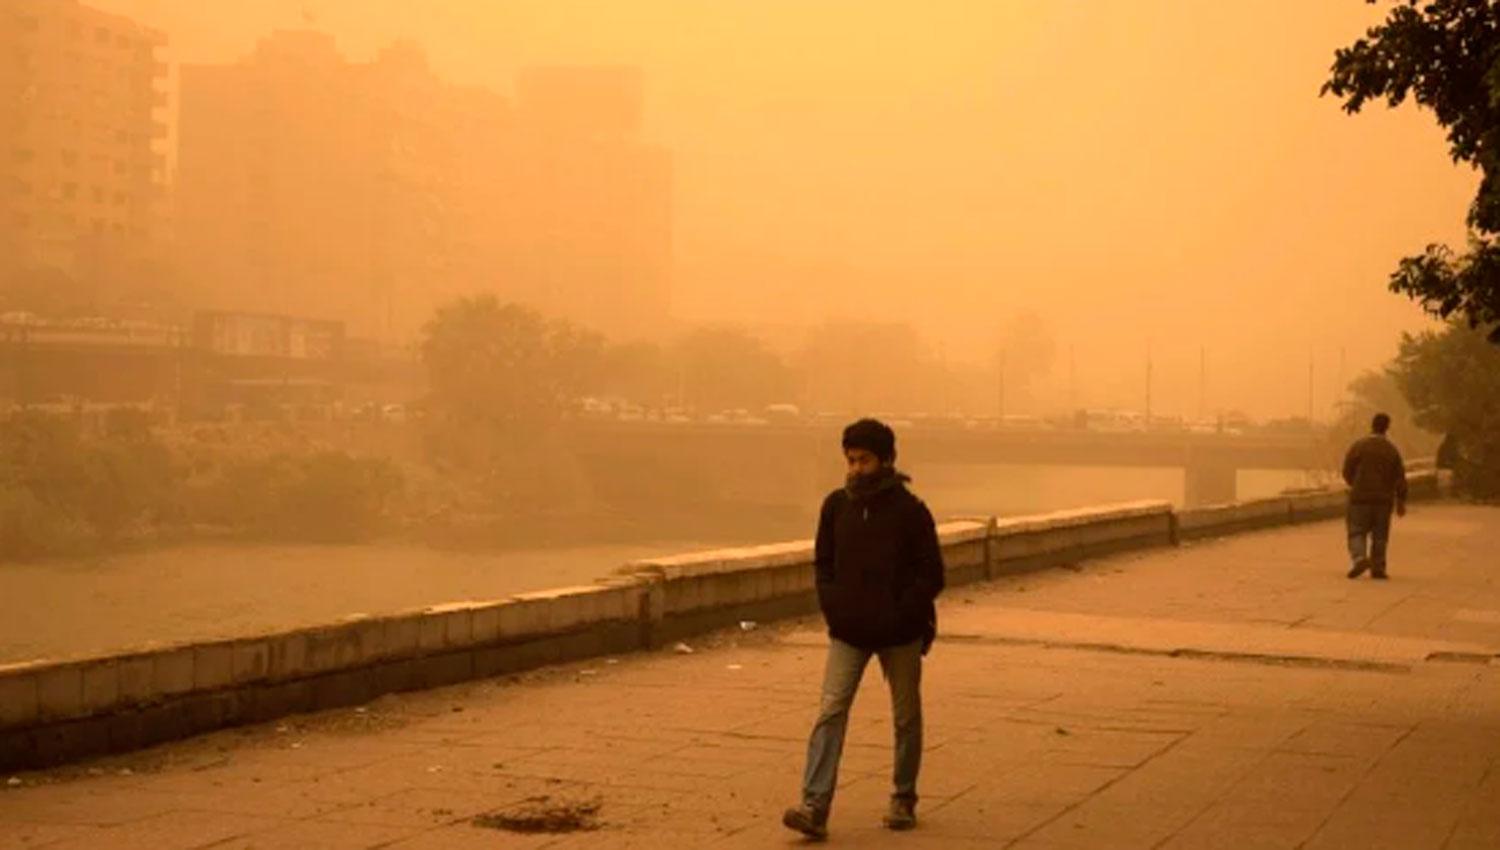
<point>324,497</point>
<point>30,528</point>
<point>336,498</point>
<point>62,492</point>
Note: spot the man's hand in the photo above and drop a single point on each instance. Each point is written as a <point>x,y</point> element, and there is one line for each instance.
<point>1401,509</point>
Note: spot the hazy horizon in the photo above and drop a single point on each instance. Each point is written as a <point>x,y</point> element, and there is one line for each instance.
<point>1138,174</point>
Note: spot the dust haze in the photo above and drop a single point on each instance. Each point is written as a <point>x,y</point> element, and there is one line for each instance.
<point>1154,173</point>
<point>543,274</point>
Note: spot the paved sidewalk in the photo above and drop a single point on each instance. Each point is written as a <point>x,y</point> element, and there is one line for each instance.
<point>1234,694</point>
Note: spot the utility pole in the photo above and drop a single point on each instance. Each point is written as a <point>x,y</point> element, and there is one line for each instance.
<point>1202,380</point>
<point>1148,383</point>
<point>1309,388</point>
<point>1072,378</point>
<point>1000,387</point>
<point>944,394</point>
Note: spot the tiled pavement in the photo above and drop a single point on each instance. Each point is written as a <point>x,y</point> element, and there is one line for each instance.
<point>1234,694</point>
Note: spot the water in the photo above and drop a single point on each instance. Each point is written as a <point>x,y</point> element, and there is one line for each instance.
<point>215,590</point>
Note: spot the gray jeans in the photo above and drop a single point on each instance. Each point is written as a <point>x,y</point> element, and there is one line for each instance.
<point>1369,524</point>
<point>902,666</point>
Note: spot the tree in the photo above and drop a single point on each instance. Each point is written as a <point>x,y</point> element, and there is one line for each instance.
<point>641,372</point>
<point>1452,380</point>
<point>869,367</point>
<point>505,365</point>
<point>1372,392</point>
<point>499,376</point>
<point>1445,55</point>
<point>725,367</point>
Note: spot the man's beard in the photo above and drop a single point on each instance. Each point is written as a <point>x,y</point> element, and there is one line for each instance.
<point>868,484</point>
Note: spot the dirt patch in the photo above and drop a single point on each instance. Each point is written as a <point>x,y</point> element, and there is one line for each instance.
<point>544,815</point>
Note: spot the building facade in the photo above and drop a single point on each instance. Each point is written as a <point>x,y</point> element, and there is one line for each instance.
<point>373,192</point>
<point>82,175</point>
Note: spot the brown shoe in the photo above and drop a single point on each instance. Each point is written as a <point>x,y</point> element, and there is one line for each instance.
<point>806,820</point>
<point>1359,568</point>
<point>901,815</point>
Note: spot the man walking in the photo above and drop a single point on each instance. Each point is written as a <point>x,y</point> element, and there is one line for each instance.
<point>878,568</point>
<point>1377,484</point>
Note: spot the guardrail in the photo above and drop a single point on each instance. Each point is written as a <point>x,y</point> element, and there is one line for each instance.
<point>53,711</point>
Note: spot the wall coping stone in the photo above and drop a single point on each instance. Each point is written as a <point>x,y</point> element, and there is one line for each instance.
<point>1081,516</point>
<point>770,555</point>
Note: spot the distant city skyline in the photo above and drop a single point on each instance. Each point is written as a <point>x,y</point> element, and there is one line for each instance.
<point>962,163</point>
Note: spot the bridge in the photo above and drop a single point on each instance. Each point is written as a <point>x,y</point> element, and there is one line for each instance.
<point>800,452</point>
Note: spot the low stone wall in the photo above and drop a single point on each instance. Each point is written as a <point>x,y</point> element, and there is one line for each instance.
<point>1021,544</point>
<point>54,711</point>
<point>1218,520</point>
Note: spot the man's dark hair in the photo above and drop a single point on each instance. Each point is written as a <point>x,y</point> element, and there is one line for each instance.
<point>1381,423</point>
<point>873,436</point>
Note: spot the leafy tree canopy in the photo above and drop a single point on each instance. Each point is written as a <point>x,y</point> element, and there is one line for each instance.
<point>1444,55</point>
<point>504,364</point>
<point>1452,380</point>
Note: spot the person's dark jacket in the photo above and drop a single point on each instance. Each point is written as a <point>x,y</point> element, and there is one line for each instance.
<point>878,567</point>
<point>1375,473</point>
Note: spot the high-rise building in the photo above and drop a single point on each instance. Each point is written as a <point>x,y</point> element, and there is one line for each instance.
<point>373,192</point>
<point>305,180</point>
<point>595,232</point>
<point>81,172</point>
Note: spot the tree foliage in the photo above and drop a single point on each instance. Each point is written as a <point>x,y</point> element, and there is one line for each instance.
<point>725,368</point>
<point>503,365</point>
<point>870,366</point>
<point>1452,380</point>
<point>1372,392</point>
<point>1445,56</point>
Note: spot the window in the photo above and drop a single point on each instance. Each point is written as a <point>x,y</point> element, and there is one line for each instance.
<point>69,191</point>
<point>119,199</point>
<point>69,157</point>
<point>24,154</point>
<point>29,23</point>
<point>101,35</point>
<point>23,221</point>
<point>99,194</point>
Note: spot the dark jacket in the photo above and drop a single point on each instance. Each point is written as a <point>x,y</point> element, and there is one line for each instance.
<point>878,568</point>
<point>1374,472</point>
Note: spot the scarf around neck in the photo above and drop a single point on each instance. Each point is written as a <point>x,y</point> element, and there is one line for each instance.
<point>861,487</point>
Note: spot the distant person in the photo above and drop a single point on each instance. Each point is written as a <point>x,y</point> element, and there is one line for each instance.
<point>1376,476</point>
<point>1447,453</point>
<point>878,570</point>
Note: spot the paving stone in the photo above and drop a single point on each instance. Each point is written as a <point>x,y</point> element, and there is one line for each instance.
<point>1050,747</point>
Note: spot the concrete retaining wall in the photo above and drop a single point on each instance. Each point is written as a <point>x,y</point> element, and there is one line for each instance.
<point>53,711</point>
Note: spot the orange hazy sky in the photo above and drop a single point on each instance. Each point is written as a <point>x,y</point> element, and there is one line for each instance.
<point>1137,172</point>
